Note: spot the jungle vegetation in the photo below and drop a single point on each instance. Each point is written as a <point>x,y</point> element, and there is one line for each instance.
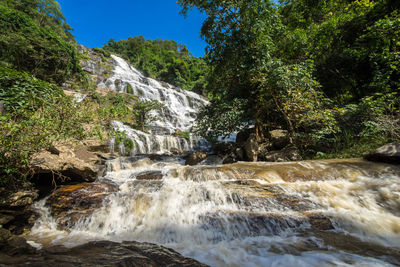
<point>327,71</point>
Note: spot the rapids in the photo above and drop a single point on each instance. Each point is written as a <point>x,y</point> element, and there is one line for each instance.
<point>310,213</point>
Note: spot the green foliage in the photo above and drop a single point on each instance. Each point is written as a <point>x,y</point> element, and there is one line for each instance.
<point>142,112</point>
<point>221,118</point>
<point>26,131</point>
<point>22,91</point>
<point>122,138</point>
<point>185,135</point>
<point>324,70</point>
<point>113,106</point>
<point>354,44</point>
<point>129,89</point>
<point>104,54</point>
<point>164,60</point>
<point>35,39</point>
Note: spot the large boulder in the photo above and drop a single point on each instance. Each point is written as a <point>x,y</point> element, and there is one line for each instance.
<point>223,148</point>
<point>389,153</point>
<point>195,158</point>
<point>98,253</point>
<point>70,203</point>
<point>67,162</point>
<point>289,153</point>
<point>243,135</point>
<point>279,138</point>
<point>251,147</point>
<point>16,214</point>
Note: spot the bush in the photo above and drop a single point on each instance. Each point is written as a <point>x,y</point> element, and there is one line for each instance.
<point>22,91</point>
<point>44,53</point>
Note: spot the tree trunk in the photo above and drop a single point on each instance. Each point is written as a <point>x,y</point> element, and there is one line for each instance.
<point>287,119</point>
<point>259,131</point>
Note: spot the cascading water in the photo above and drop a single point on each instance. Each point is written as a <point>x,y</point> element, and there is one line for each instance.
<point>181,108</point>
<point>313,213</point>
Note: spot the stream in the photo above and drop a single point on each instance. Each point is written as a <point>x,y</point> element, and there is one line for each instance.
<point>309,213</point>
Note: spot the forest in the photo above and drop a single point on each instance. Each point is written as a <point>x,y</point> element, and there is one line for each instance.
<point>326,71</point>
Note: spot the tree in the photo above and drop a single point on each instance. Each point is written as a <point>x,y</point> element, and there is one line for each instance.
<point>142,112</point>
<point>165,60</point>
<point>247,66</point>
<point>44,51</point>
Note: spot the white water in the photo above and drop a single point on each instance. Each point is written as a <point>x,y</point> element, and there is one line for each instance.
<point>145,143</point>
<point>181,108</point>
<point>205,213</point>
<point>181,105</point>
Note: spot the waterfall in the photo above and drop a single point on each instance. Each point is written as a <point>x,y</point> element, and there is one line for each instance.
<point>181,108</point>
<point>313,213</point>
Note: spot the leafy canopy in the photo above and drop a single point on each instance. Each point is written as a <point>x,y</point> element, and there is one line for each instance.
<point>164,60</point>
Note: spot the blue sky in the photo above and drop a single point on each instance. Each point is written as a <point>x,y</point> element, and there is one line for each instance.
<point>96,21</point>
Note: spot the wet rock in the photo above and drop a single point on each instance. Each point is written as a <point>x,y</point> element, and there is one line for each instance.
<point>175,151</point>
<point>255,195</point>
<point>279,138</point>
<point>70,203</point>
<point>18,245</point>
<point>195,158</point>
<point>389,153</point>
<point>101,253</point>
<point>289,153</point>
<point>239,224</point>
<point>312,170</point>
<point>319,221</point>
<point>251,147</point>
<point>149,175</point>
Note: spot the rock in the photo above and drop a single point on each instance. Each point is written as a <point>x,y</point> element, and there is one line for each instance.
<point>289,153</point>
<point>319,222</point>
<point>19,243</point>
<point>223,148</point>
<point>251,147</point>
<point>67,162</point>
<point>19,199</point>
<point>5,218</point>
<point>279,138</point>
<point>243,135</point>
<point>101,253</point>
<point>213,160</point>
<point>16,214</point>
<point>263,150</point>
<point>149,175</point>
<point>235,156</point>
<point>5,235</point>
<point>195,158</point>
<point>70,203</point>
<point>389,153</point>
